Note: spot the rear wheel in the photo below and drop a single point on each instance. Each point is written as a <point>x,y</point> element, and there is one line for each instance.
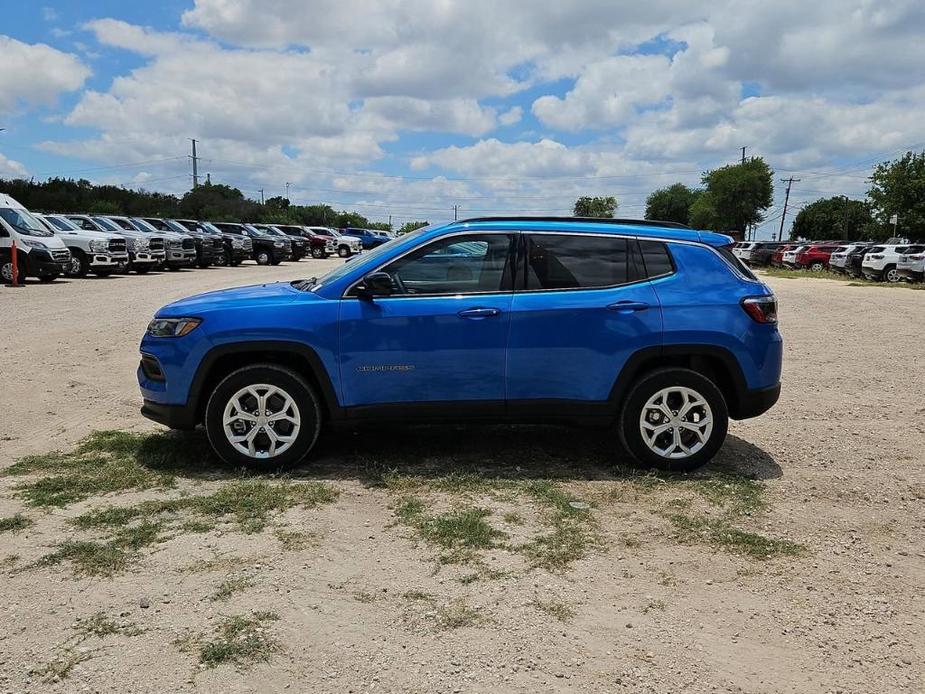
<point>263,415</point>
<point>318,252</point>
<point>674,419</point>
<point>817,266</point>
<point>891,274</point>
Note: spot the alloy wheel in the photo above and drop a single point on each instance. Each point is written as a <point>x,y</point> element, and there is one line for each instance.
<point>676,422</point>
<point>261,421</point>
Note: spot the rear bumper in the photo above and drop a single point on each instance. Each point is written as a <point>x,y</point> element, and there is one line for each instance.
<point>754,402</point>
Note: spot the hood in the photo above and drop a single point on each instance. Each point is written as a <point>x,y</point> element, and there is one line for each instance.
<point>236,299</point>
<point>54,243</point>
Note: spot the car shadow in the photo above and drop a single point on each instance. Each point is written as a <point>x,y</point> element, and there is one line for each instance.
<point>505,452</point>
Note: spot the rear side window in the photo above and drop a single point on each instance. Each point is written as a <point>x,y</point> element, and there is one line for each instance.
<point>656,258</point>
<point>727,254</point>
<point>571,261</point>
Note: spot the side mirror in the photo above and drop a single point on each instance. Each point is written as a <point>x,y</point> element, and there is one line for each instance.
<point>376,284</point>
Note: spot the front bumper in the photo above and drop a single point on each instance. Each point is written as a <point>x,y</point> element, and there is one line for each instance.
<point>173,416</point>
<point>43,263</point>
<point>110,260</point>
<point>181,256</point>
<point>148,257</point>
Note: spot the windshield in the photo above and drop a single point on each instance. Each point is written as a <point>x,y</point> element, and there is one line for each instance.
<point>106,224</point>
<point>142,225</point>
<point>61,223</point>
<point>254,231</point>
<point>176,226</point>
<point>384,249</point>
<point>121,222</point>
<point>23,222</point>
<point>211,228</point>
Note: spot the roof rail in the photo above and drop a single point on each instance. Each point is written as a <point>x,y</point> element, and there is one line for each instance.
<point>595,220</point>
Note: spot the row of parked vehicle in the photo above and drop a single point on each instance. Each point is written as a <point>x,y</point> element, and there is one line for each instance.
<point>51,244</point>
<point>896,260</point>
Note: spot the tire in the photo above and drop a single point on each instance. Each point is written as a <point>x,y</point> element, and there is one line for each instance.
<point>343,252</point>
<point>637,403</point>
<point>263,257</point>
<point>318,253</point>
<point>231,392</point>
<point>890,274</point>
<point>817,267</point>
<point>79,266</point>
<point>6,271</point>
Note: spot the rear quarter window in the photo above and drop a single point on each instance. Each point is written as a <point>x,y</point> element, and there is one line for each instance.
<point>656,258</point>
<point>730,258</point>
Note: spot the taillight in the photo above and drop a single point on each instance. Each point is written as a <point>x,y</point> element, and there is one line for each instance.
<point>762,309</point>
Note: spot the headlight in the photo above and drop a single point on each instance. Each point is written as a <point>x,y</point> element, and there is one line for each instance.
<point>99,246</point>
<point>172,327</point>
<point>237,243</point>
<point>278,244</point>
<point>35,244</point>
<point>175,244</point>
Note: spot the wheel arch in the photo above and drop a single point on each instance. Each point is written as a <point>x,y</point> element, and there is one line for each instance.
<point>716,363</point>
<point>222,360</point>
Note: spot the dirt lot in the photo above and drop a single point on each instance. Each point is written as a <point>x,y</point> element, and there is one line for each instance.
<point>430,560</point>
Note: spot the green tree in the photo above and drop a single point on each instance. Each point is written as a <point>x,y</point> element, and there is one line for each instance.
<point>737,195</point>
<point>408,227</point>
<point>898,187</point>
<point>833,218</point>
<point>598,207</point>
<point>671,204</point>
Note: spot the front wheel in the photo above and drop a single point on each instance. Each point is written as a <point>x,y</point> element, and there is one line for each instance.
<point>817,267</point>
<point>318,253</point>
<point>343,252</point>
<point>674,419</point>
<point>78,267</point>
<point>263,257</point>
<point>6,271</point>
<point>263,415</point>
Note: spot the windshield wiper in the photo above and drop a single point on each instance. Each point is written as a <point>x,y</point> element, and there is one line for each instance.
<point>305,285</point>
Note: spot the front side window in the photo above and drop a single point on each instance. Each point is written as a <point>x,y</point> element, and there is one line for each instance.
<point>572,261</point>
<point>23,222</point>
<point>470,264</point>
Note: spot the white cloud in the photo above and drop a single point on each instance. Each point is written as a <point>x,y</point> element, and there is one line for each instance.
<point>11,169</point>
<point>511,116</point>
<point>35,73</point>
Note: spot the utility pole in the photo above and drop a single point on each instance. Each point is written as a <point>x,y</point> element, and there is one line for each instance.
<point>287,190</point>
<point>455,212</point>
<point>743,154</point>
<point>208,179</point>
<point>195,166</point>
<point>789,181</point>
<point>845,223</point>
<point>390,222</point>
<point>261,195</point>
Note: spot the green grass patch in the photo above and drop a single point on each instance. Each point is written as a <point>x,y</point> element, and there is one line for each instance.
<point>100,625</point>
<point>457,615</point>
<point>60,668</point>
<point>15,523</point>
<point>230,586</point>
<point>720,533</point>
<point>89,558</point>
<point>785,273</point>
<point>295,540</point>
<point>461,532</point>
<point>240,639</point>
<point>554,608</point>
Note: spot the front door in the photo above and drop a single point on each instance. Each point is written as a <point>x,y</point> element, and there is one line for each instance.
<point>441,335</point>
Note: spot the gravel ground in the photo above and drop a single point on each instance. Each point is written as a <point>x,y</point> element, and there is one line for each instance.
<point>364,600</point>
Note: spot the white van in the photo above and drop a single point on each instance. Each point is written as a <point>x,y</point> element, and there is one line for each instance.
<point>39,253</point>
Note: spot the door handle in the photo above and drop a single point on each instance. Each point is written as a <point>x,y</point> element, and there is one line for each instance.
<point>479,313</point>
<point>628,306</point>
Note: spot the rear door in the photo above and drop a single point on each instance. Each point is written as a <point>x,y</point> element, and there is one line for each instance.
<point>583,306</point>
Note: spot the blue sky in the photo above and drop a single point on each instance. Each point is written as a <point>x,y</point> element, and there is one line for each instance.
<point>410,107</point>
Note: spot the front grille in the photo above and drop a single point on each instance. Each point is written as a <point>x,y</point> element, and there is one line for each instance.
<point>157,244</point>
<point>248,244</point>
<point>189,244</point>
<point>61,255</point>
<point>117,246</point>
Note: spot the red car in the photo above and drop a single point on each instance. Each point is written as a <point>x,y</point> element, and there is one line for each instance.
<point>815,258</point>
<point>777,258</point>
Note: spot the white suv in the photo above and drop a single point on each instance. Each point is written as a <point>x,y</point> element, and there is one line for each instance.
<point>839,257</point>
<point>789,259</point>
<point>911,265</point>
<point>743,250</point>
<point>880,262</point>
<point>91,251</point>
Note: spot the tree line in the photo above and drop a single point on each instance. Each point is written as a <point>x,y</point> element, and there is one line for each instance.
<point>737,196</point>
<point>214,202</point>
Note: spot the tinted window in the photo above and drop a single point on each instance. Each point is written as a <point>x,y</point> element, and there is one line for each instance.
<point>733,260</point>
<point>572,261</point>
<point>656,258</point>
<point>455,265</point>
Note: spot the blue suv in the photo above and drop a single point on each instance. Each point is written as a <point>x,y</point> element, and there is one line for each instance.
<point>368,237</point>
<point>652,329</point>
